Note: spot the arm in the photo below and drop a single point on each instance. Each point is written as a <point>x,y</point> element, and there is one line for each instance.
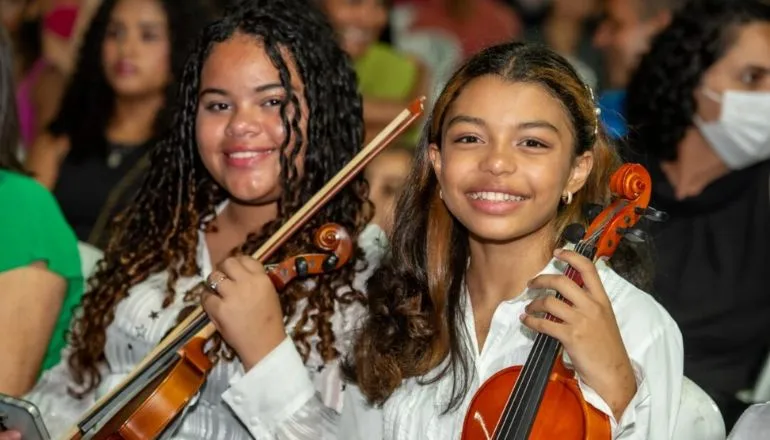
<point>47,95</point>
<point>45,158</point>
<point>32,298</point>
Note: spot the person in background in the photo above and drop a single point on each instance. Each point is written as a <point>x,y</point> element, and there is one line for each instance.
<point>624,35</point>
<point>40,270</point>
<point>388,80</point>
<point>386,175</point>
<point>699,104</point>
<point>565,29</point>
<point>39,83</point>
<point>116,106</point>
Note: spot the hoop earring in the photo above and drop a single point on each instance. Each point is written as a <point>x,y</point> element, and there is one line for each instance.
<point>567,199</point>
<point>441,194</point>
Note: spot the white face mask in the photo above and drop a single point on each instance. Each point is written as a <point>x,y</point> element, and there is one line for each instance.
<point>741,135</point>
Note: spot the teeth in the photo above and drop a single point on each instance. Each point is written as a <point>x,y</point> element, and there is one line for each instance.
<point>248,154</point>
<point>495,196</point>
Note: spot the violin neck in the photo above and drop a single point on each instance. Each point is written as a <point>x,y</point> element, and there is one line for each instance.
<point>522,406</point>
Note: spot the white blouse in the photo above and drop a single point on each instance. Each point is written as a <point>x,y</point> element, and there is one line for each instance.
<point>139,325</point>
<point>285,408</point>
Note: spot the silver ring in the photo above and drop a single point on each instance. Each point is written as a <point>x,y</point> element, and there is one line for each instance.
<point>214,284</point>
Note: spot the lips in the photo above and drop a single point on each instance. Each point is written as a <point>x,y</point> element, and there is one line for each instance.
<point>125,68</point>
<point>495,202</point>
<point>246,158</point>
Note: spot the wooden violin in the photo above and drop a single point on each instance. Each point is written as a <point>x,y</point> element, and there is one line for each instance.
<point>154,397</point>
<point>541,399</point>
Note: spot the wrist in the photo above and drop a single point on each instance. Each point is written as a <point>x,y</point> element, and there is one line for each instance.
<point>251,353</point>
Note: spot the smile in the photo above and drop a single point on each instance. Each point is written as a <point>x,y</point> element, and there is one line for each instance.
<point>491,196</point>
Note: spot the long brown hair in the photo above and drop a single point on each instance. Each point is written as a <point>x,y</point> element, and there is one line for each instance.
<point>415,318</point>
<point>159,231</point>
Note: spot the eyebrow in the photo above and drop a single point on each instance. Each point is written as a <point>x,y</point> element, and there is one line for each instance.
<point>522,126</point>
<point>258,89</point>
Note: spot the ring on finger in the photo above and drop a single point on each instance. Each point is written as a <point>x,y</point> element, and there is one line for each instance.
<point>215,279</point>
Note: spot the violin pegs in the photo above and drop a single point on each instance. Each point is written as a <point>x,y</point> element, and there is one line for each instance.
<point>652,214</point>
<point>591,211</point>
<point>574,233</point>
<point>634,235</point>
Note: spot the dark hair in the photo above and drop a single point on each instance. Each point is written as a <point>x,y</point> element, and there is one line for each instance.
<point>87,104</point>
<point>9,118</point>
<point>415,298</point>
<point>159,232</point>
<point>661,104</point>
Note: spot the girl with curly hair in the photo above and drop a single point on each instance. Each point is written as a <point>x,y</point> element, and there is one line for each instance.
<point>512,153</point>
<point>94,153</point>
<point>270,112</point>
<point>699,112</point>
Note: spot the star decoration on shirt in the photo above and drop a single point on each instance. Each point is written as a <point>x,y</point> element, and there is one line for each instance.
<point>141,331</point>
<point>154,315</point>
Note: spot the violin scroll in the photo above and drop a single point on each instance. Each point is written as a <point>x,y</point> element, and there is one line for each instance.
<point>330,237</point>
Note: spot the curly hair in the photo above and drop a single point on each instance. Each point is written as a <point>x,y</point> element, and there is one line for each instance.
<point>660,105</point>
<point>159,232</point>
<point>88,102</point>
<point>415,297</point>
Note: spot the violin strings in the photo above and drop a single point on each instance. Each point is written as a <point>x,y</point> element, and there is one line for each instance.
<point>522,385</point>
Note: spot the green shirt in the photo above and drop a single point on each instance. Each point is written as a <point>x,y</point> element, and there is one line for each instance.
<point>33,229</point>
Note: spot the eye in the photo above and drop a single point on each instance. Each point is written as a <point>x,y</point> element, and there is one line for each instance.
<point>468,139</point>
<point>217,107</point>
<point>532,143</point>
<point>273,102</point>
<point>753,76</point>
<point>151,36</point>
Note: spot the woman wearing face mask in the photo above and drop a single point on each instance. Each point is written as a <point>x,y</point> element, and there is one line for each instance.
<point>699,106</point>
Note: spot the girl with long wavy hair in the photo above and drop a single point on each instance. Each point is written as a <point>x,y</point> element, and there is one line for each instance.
<point>511,155</point>
<point>270,112</point>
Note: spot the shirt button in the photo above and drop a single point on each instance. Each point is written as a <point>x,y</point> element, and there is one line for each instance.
<point>254,422</point>
<point>237,398</point>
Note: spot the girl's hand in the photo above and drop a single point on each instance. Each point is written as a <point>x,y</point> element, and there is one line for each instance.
<point>10,435</point>
<point>243,304</point>
<point>588,331</point>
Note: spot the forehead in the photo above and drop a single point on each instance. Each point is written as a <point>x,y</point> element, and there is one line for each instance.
<point>502,103</point>
<point>751,45</point>
<point>150,11</point>
<point>241,61</point>
<point>623,10</point>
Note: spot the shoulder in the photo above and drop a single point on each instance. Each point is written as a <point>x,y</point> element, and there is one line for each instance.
<point>641,319</point>
<point>24,194</point>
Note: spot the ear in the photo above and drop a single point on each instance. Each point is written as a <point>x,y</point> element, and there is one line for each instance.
<point>435,159</point>
<point>581,169</point>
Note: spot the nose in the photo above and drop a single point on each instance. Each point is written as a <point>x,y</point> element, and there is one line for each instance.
<point>601,36</point>
<point>499,159</point>
<point>128,43</point>
<point>244,123</point>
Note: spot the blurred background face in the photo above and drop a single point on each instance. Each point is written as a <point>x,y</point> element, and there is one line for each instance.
<point>624,35</point>
<point>386,175</point>
<point>745,66</point>
<point>136,48</point>
<point>358,23</point>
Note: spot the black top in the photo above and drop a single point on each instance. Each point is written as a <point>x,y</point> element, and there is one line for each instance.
<point>92,190</point>
<point>712,275</point>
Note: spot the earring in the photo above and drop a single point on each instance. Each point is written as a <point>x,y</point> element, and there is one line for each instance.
<point>441,194</point>
<point>567,199</point>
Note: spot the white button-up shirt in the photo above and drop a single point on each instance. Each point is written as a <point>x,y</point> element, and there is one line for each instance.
<point>281,401</point>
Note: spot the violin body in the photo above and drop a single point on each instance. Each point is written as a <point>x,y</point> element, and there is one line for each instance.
<point>564,415</point>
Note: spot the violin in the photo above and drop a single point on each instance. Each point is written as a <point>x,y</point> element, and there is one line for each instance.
<point>152,400</point>
<point>541,399</point>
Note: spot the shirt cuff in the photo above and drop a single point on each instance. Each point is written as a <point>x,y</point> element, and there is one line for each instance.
<point>273,390</point>
<point>628,419</point>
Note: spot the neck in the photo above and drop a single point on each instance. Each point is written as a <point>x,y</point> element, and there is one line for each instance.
<point>695,166</point>
<point>562,33</point>
<point>242,219</point>
<point>133,119</point>
<point>500,271</point>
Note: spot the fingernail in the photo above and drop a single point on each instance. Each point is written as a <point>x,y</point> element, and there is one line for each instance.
<point>558,251</point>
<point>522,316</point>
